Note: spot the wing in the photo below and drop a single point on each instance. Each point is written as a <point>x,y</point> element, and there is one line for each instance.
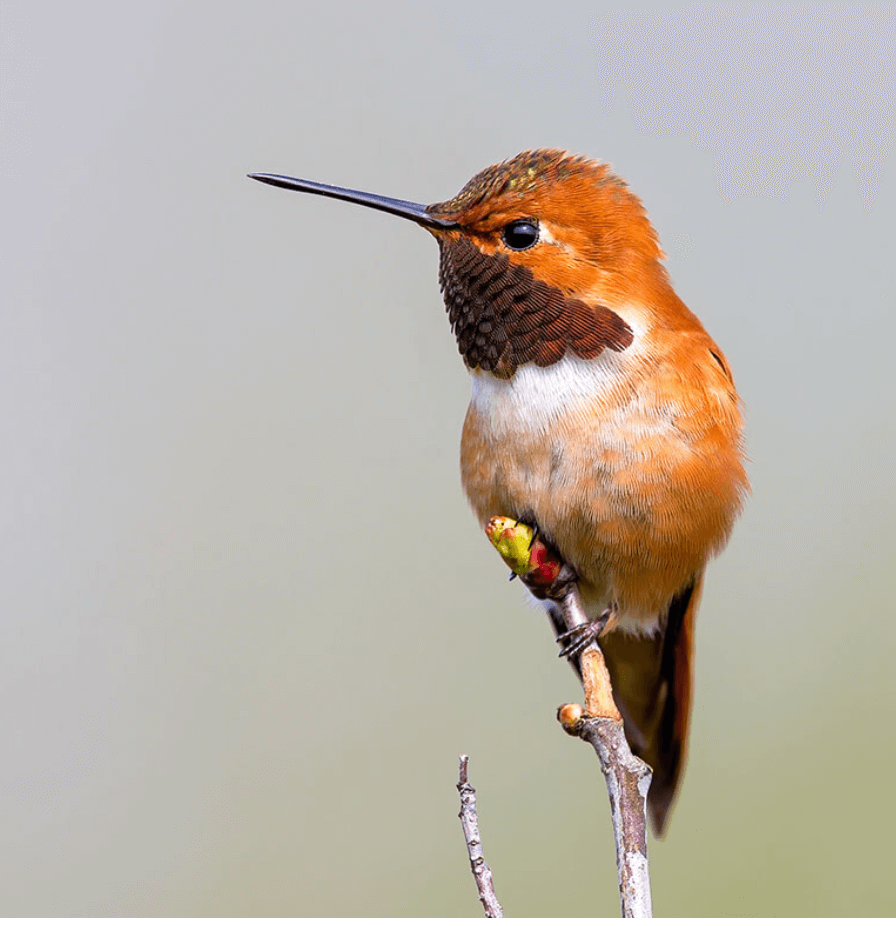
<point>652,685</point>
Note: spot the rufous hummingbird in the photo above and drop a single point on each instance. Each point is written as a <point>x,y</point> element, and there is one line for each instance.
<point>602,413</point>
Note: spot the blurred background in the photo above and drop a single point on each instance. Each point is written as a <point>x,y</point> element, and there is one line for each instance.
<point>214,702</point>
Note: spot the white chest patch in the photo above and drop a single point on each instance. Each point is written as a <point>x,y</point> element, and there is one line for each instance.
<point>535,397</point>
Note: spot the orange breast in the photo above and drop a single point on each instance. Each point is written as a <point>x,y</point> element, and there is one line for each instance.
<point>634,473</point>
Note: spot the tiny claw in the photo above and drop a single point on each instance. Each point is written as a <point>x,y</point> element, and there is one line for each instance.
<point>512,576</point>
<point>575,640</point>
<point>535,533</point>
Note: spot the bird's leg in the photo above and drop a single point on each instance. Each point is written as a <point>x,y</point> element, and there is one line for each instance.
<point>574,640</point>
<point>551,579</point>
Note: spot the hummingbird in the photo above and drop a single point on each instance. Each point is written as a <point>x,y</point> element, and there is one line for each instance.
<point>602,413</point>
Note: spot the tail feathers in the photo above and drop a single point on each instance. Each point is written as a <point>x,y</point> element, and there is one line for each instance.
<point>652,685</point>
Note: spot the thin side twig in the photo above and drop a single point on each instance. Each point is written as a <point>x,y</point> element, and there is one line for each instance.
<point>469,819</point>
<point>627,776</point>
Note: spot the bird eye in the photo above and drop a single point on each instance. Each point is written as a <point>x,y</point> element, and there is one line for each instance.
<point>521,234</point>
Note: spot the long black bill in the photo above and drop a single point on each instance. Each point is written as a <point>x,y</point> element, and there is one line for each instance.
<point>413,211</point>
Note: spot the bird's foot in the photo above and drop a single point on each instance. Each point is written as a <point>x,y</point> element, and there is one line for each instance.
<point>575,640</point>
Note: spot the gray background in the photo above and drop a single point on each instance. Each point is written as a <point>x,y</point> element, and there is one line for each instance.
<point>248,622</point>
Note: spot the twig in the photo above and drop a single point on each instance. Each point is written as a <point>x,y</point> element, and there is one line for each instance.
<point>628,777</point>
<point>599,722</point>
<point>470,821</point>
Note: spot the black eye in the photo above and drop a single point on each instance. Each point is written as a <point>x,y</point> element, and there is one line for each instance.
<point>521,234</point>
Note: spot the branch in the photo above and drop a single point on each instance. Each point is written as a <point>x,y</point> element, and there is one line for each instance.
<point>627,776</point>
<point>470,822</point>
<point>599,722</point>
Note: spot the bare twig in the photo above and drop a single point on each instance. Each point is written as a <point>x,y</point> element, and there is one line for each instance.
<point>627,776</point>
<point>470,821</point>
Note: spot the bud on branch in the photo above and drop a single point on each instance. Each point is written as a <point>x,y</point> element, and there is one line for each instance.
<point>524,552</point>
